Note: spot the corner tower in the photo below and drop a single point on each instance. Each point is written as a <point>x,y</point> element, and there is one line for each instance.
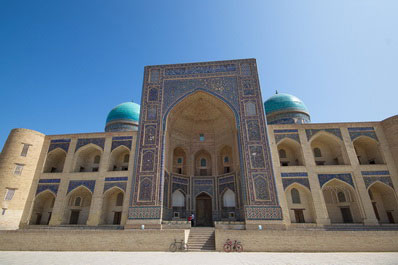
<point>202,146</point>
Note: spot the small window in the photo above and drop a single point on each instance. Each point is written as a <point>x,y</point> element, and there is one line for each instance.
<point>95,169</point>
<point>317,152</point>
<point>179,170</point>
<point>78,201</point>
<point>81,169</point>
<point>126,158</point>
<point>25,149</point>
<point>341,196</point>
<point>231,215</point>
<point>284,164</point>
<point>125,168</point>
<point>201,137</point>
<point>203,162</point>
<point>372,162</point>
<point>97,159</point>
<point>18,169</point>
<point>119,199</point>
<point>282,153</point>
<point>226,170</point>
<point>176,214</point>
<point>114,168</point>
<point>295,196</point>
<point>226,159</point>
<point>9,194</point>
<point>320,163</point>
<point>53,169</point>
<point>179,160</point>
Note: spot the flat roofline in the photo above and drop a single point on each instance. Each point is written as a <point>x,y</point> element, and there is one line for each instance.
<point>208,62</point>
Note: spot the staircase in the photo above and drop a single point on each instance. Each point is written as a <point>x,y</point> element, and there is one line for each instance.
<point>201,239</point>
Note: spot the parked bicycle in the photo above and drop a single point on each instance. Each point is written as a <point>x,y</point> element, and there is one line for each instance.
<point>232,246</point>
<point>180,246</point>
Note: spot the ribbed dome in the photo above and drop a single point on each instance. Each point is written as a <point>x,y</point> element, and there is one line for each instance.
<point>125,111</point>
<point>284,102</point>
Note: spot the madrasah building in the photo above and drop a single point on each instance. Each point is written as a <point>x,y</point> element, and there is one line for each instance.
<point>200,144</point>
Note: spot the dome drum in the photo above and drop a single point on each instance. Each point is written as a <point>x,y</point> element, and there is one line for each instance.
<point>123,117</point>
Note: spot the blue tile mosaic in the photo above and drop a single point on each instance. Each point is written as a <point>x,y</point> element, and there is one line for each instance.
<point>280,137</point>
<point>145,193</point>
<point>51,187</point>
<point>286,131</point>
<point>294,174</point>
<point>180,180</point>
<point>375,173</point>
<point>85,141</point>
<point>203,182</point>
<point>116,144</point>
<point>288,181</point>
<point>60,141</point>
<point>370,180</point>
<point>89,184</point>
<point>109,185</point>
<point>323,178</point>
<point>261,188</point>
<point>63,146</point>
<point>371,134</point>
<point>223,187</point>
<point>353,129</point>
<point>121,138</point>
<point>200,69</point>
<point>226,179</point>
<point>144,212</point>
<point>263,212</point>
<point>116,179</point>
<point>49,180</point>
<point>334,131</point>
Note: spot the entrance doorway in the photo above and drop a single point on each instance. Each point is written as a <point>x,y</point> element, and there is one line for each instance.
<point>117,218</point>
<point>203,210</point>
<point>346,213</point>
<point>74,217</point>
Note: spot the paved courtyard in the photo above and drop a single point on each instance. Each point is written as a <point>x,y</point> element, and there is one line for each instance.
<point>192,258</point>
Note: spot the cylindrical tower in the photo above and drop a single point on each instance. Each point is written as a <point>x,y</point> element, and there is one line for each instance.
<point>18,162</point>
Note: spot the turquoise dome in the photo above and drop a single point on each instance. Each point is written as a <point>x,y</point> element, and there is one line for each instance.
<point>284,102</point>
<point>126,111</point>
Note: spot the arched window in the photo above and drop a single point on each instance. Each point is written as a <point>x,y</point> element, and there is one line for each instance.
<point>203,162</point>
<point>282,153</point>
<point>119,199</point>
<point>126,158</point>
<point>97,159</point>
<point>295,196</point>
<point>226,159</point>
<point>78,201</point>
<point>229,199</point>
<point>178,199</point>
<point>341,196</point>
<point>317,152</point>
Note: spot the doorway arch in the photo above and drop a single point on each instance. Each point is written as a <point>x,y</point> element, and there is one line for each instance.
<point>204,212</point>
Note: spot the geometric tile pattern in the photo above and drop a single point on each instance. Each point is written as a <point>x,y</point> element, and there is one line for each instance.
<point>49,181</point>
<point>116,179</point>
<point>370,180</point>
<point>359,131</point>
<point>109,185</point>
<point>334,131</point>
<point>89,184</point>
<point>294,174</point>
<point>118,142</point>
<point>51,187</point>
<point>375,173</point>
<point>288,181</point>
<point>144,212</point>
<point>85,141</point>
<point>263,213</point>
<point>279,137</point>
<point>59,143</point>
<point>323,178</point>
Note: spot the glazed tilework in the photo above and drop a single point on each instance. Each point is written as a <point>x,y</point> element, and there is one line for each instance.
<point>286,131</point>
<point>116,179</point>
<point>180,180</point>
<point>385,179</point>
<point>85,141</point>
<point>144,212</point>
<point>263,212</point>
<point>89,184</point>
<point>356,132</point>
<point>253,130</point>
<point>375,173</point>
<point>117,143</point>
<point>59,143</point>
<point>227,179</point>
<point>280,137</point>
<point>294,174</point>
<point>109,185</point>
<point>234,85</point>
<point>51,187</point>
<point>145,189</point>
<point>288,118</point>
<point>303,181</point>
<point>334,131</point>
<point>323,178</point>
<point>49,181</point>
<point>261,188</point>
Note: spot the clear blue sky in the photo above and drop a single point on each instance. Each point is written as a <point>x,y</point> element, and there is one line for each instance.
<point>65,64</point>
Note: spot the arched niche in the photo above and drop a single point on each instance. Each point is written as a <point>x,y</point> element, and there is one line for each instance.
<point>368,151</point>
<point>331,149</point>
<point>300,204</point>
<point>203,163</point>
<point>55,161</point>
<point>290,153</point>
<point>42,208</point>
<point>88,158</point>
<point>225,160</point>
<point>119,159</point>
<point>179,161</point>
<point>178,203</point>
<point>112,206</point>
<point>200,122</point>
<point>384,202</point>
<point>77,209</point>
<point>341,202</point>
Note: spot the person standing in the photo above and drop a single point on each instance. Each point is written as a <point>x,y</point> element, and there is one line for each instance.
<point>193,219</point>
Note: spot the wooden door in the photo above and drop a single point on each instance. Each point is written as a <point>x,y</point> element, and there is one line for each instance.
<point>74,217</point>
<point>203,210</point>
<point>346,213</point>
<point>298,213</point>
<point>117,218</point>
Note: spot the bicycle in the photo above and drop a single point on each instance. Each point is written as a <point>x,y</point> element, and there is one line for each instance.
<point>235,246</point>
<point>180,246</point>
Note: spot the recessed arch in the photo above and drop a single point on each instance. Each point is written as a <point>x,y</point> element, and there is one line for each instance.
<point>42,208</point>
<point>85,158</point>
<point>384,202</point>
<point>117,161</point>
<point>77,214</point>
<point>112,206</point>
<point>302,211</point>
<point>331,148</point>
<point>55,161</point>
<point>292,154</point>
<point>367,150</point>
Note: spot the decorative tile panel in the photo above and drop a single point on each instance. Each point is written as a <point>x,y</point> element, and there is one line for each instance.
<point>200,70</point>
<point>85,141</point>
<point>89,184</point>
<point>144,212</point>
<point>261,188</point>
<point>323,178</point>
<point>147,160</point>
<point>51,187</point>
<point>59,143</point>
<point>145,193</point>
<point>41,181</point>
<point>294,174</point>
<point>117,143</point>
<point>370,180</point>
<point>280,137</point>
<point>150,134</point>
<point>253,130</point>
<point>257,157</point>
<point>288,181</point>
<point>109,185</point>
<point>375,173</point>
<point>334,131</point>
<point>286,131</point>
<point>116,179</point>
<point>263,213</point>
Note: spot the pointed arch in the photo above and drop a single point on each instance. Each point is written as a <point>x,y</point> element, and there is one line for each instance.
<point>85,156</point>
<point>77,214</point>
<point>384,202</point>
<point>117,161</point>
<point>113,200</point>
<point>331,148</point>
<point>367,150</point>
<point>42,208</point>
<point>292,151</point>
<point>55,161</point>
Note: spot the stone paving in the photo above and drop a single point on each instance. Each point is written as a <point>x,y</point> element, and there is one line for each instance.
<point>192,258</point>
